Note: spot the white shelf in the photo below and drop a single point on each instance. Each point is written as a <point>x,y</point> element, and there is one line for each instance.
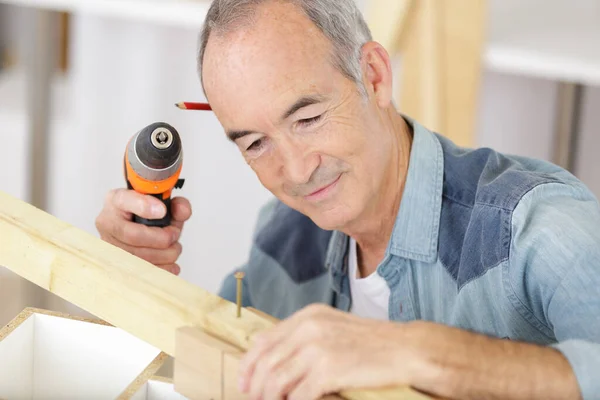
<point>184,13</point>
<point>552,39</point>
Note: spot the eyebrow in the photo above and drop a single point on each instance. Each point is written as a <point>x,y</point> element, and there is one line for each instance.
<point>298,105</point>
<point>235,135</point>
<point>301,103</point>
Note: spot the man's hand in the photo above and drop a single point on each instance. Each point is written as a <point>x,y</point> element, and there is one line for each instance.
<point>320,350</point>
<point>159,246</point>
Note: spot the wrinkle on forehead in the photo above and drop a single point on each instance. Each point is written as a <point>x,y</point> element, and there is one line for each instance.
<point>279,56</point>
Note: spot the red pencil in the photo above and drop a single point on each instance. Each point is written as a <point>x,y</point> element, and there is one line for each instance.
<point>184,105</point>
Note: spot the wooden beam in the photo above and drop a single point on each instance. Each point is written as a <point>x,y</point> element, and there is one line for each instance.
<point>463,34</point>
<point>124,290</point>
<point>388,21</point>
<point>111,283</point>
<point>421,80</point>
<point>441,45</point>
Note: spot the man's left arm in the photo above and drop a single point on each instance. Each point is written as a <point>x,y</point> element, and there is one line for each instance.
<point>553,279</point>
<point>556,276</point>
<point>321,350</point>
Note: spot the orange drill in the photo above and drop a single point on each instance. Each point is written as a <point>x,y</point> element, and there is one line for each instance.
<point>153,161</point>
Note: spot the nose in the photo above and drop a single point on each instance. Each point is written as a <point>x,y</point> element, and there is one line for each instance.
<point>299,163</point>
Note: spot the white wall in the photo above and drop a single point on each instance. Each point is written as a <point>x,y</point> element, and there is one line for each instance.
<point>126,75</point>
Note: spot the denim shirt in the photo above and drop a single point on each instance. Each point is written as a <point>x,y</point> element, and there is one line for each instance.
<point>502,245</point>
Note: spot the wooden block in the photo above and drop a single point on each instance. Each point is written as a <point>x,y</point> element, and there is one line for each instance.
<point>231,363</point>
<point>199,363</point>
<point>191,383</point>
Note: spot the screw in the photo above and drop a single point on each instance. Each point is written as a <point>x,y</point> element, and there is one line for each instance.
<point>239,276</point>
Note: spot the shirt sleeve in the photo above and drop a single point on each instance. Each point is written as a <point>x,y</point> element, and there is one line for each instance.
<point>555,272</point>
<point>228,289</point>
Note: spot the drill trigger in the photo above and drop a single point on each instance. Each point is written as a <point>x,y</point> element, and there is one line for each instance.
<point>179,183</point>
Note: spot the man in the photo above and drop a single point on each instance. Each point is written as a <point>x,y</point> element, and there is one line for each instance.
<point>488,265</point>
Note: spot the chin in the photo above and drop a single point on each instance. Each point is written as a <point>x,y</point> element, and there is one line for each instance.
<point>331,219</point>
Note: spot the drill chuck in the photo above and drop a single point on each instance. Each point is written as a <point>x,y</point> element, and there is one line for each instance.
<point>153,161</point>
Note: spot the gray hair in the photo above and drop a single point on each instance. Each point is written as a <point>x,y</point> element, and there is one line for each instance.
<point>340,21</point>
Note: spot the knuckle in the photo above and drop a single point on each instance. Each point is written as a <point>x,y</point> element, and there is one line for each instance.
<point>163,240</point>
<point>276,384</point>
<point>315,351</point>
<point>314,310</point>
<point>313,327</point>
<point>115,198</point>
<point>144,206</point>
<point>110,196</point>
<point>128,233</point>
<point>99,223</point>
<point>270,363</point>
<point>177,250</point>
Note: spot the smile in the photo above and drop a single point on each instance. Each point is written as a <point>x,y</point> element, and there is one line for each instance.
<point>320,194</point>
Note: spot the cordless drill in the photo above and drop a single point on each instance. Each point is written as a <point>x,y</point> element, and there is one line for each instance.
<point>153,161</point>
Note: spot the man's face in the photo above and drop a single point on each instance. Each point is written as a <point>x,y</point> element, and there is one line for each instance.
<point>302,126</point>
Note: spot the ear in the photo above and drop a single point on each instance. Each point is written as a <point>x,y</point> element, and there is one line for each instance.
<point>377,73</point>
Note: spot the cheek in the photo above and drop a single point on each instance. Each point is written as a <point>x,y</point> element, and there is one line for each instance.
<point>268,172</point>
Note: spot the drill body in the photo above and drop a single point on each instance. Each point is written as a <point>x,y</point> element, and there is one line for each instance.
<point>153,161</point>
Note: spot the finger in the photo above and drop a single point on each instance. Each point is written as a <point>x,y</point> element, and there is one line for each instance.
<point>286,377</point>
<point>267,340</point>
<point>132,202</point>
<point>309,387</point>
<point>266,366</point>
<point>139,235</point>
<point>166,256</point>
<point>172,268</point>
<point>262,344</point>
<point>181,209</point>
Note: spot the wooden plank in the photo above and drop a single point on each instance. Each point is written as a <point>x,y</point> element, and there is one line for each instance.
<point>421,76</point>
<point>442,57</point>
<point>464,37</point>
<point>120,288</point>
<point>388,21</point>
<point>431,57</point>
<point>112,284</point>
<point>200,356</point>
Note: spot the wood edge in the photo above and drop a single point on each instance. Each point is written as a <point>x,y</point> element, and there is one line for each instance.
<point>59,314</point>
<point>143,377</point>
<point>262,314</point>
<point>193,332</point>
<point>29,311</point>
<point>15,322</point>
<point>161,379</point>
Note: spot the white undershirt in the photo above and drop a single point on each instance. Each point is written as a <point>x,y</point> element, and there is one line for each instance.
<point>370,295</point>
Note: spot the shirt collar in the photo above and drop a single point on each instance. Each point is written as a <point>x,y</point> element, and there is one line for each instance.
<point>415,233</point>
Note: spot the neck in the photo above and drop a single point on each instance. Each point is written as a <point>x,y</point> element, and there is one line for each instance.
<point>373,229</point>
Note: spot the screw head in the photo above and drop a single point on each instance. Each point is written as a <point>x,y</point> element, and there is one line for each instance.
<point>239,275</point>
<point>161,138</point>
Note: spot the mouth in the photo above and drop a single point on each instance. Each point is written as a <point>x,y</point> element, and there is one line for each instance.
<point>324,191</point>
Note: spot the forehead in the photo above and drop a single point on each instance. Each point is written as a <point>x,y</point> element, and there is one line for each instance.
<point>267,64</point>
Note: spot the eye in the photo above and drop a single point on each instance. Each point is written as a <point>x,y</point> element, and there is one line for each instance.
<point>310,121</point>
<point>256,145</point>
